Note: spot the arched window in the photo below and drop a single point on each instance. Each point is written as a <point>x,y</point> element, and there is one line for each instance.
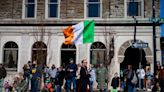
<point>39,52</point>
<point>67,52</point>
<point>97,53</point>
<point>10,58</point>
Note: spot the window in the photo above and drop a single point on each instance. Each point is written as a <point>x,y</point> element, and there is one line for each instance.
<point>39,52</point>
<point>134,7</point>
<point>52,8</point>
<point>10,58</point>
<point>93,8</point>
<point>29,8</point>
<point>97,53</point>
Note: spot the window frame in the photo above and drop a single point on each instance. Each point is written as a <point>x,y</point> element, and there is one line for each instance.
<point>47,3</point>
<point>24,12</point>
<point>35,50</point>
<point>100,47</point>
<point>126,8</point>
<point>7,49</point>
<point>86,9</point>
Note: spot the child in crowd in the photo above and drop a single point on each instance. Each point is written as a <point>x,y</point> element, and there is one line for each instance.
<point>115,82</point>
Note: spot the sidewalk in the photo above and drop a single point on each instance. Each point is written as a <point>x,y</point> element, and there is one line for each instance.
<point>107,91</point>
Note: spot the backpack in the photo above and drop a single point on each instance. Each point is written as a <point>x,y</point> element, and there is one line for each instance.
<point>134,79</point>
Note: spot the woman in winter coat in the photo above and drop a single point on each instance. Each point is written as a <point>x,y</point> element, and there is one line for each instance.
<point>27,72</point>
<point>84,76</point>
<point>101,78</point>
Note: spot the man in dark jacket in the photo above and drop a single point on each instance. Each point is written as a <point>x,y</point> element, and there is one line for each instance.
<point>59,79</point>
<point>2,76</point>
<point>71,75</point>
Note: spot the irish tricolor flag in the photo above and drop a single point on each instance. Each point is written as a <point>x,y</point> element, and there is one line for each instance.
<point>80,33</point>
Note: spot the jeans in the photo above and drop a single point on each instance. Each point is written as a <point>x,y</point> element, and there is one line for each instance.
<point>1,85</point>
<point>142,83</point>
<point>131,88</point>
<point>69,81</point>
<point>91,86</point>
<point>58,88</point>
<point>83,85</point>
<point>34,84</point>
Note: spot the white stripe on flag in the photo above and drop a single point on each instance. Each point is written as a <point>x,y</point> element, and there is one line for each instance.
<point>78,33</point>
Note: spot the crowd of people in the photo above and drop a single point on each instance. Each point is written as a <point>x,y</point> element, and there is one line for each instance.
<point>132,80</point>
<point>83,75</point>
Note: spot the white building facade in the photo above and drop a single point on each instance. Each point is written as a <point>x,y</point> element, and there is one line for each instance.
<point>20,31</point>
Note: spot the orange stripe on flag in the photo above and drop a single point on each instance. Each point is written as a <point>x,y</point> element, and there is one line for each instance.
<point>69,34</point>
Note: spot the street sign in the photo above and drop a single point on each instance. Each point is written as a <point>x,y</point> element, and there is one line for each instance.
<point>139,45</point>
<point>156,20</point>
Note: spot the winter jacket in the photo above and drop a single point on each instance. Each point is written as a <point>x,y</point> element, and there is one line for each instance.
<point>71,74</point>
<point>92,77</point>
<point>27,73</point>
<point>115,82</point>
<point>3,73</point>
<point>36,72</point>
<point>59,78</point>
<point>53,72</point>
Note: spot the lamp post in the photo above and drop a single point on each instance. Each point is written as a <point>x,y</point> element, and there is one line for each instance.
<point>135,29</point>
<point>154,37</point>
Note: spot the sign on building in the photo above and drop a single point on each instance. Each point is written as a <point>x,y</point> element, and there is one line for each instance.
<point>139,45</point>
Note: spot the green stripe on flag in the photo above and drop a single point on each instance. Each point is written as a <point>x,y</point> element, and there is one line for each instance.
<point>88,33</point>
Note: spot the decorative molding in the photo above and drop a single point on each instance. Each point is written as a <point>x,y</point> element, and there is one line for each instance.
<point>126,44</point>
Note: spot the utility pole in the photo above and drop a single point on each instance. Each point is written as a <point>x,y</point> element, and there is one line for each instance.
<point>154,37</point>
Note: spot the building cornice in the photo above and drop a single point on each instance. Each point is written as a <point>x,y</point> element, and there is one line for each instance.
<point>68,22</point>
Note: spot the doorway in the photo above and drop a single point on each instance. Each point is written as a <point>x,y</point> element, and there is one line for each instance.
<point>67,52</point>
<point>133,56</point>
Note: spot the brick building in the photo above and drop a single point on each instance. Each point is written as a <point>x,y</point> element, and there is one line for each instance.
<point>32,29</point>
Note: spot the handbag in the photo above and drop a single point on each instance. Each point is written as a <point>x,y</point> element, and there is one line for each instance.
<point>134,79</point>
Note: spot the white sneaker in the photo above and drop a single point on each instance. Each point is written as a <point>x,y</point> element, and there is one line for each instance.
<point>149,89</point>
<point>137,89</point>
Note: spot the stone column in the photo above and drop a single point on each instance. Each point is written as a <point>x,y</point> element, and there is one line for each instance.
<point>53,50</point>
<point>23,51</point>
<point>82,52</point>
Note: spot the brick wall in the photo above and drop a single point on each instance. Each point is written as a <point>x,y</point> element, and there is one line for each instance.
<point>105,8</point>
<point>148,8</point>
<point>116,8</point>
<point>71,9</point>
<point>41,9</point>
